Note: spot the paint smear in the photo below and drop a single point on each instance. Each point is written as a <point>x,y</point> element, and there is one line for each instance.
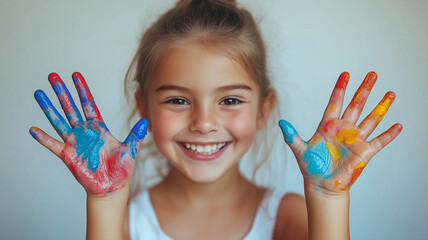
<point>288,130</point>
<point>381,109</point>
<point>334,152</point>
<point>333,106</point>
<point>363,91</point>
<point>317,159</point>
<point>88,144</point>
<point>355,174</point>
<point>343,80</point>
<point>330,126</point>
<point>337,183</point>
<point>347,136</point>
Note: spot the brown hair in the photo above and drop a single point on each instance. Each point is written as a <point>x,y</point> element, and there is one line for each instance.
<point>218,24</point>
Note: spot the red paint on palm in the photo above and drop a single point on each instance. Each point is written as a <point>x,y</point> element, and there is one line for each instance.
<point>113,173</point>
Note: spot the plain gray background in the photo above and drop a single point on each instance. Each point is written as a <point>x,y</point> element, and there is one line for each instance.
<point>309,44</point>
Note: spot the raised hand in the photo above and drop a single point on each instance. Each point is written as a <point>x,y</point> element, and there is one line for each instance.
<point>99,162</point>
<point>338,151</point>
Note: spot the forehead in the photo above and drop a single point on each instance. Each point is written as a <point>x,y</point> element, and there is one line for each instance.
<point>195,66</point>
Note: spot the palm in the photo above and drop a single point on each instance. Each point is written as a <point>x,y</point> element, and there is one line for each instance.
<point>99,162</point>
<point>338,151</point>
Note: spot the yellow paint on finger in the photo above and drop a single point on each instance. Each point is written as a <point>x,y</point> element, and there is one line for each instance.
<point>333,107</point>
<point>348,136</point>
<point>334,152</point>
<point>381,109</point>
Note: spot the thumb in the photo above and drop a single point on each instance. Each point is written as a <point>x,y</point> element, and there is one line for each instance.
<point>137,133</point>
<point>292,138</point>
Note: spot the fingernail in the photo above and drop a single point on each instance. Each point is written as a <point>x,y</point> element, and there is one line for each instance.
<point>76,76</point>
<point>343,80</point>
<point>34,134</point>
<point>42,99</point>
<point>140,129</point>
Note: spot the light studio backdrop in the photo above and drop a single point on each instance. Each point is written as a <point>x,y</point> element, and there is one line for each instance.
<point>309,44</point>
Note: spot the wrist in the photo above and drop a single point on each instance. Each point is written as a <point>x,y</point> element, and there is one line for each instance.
<point>122,193</point>
<point>328,213</point>
<point>312,190</point>
<point>106,214</point>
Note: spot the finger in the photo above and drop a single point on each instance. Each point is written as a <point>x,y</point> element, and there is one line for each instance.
<point>67,103</point>
<point>137,133</point>
<point>47,141</point>
<point>57,121</point>
<point>369,124</point>
<point>334,107</point>
<point>385,138</point>
<point>89,107</point>
<point>353,111</point>
<point>292,138</point>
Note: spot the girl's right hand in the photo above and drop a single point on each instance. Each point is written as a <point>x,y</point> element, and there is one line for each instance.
<point>100,163</point>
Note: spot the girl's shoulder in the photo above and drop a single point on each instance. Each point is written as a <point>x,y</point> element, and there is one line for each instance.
<point>291,220</point>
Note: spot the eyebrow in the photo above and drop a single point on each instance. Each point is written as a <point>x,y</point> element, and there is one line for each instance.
<point>219,89</point>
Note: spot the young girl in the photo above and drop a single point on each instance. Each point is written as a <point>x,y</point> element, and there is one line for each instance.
<point>202,85</point>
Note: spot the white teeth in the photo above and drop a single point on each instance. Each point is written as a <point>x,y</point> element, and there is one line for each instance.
<point>207,148</point>
<point>199,149</point>
<point>204,150</point>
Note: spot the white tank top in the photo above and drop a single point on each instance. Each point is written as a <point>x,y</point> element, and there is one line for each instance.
<point>143,223</point>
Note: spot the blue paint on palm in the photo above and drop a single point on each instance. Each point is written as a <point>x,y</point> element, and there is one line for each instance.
<point>88,143</point>
<point>317,159</point>
<point>343,151</point>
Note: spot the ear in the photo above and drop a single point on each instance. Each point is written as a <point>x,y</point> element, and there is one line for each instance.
<point>266,109</point>
<point>141,107</point>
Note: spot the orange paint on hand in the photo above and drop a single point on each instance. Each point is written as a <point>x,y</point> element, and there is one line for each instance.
<point>348,136</point>
<point>355,174</point>
<point>337,183</point>
<point>343,80</point>
<point>383,106</point>
<point>365,88</point>
<point>329,125</point>
<point>334,152</point>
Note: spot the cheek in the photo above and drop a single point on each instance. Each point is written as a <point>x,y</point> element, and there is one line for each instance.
<point>242,125</point>
<point>164,127</point>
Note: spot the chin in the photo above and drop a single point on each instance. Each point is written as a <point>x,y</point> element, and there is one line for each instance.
<point>202,174</point>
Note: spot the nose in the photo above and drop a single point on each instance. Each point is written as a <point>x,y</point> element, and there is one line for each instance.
<point>204,120</point>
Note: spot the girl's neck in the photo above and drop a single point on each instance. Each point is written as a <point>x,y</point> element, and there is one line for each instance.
<point>229,187</point>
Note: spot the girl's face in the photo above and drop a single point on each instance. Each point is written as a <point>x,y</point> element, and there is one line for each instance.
<point>203,110</point>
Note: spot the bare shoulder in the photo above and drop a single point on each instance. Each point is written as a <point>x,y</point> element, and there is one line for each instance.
<point>291,220</point>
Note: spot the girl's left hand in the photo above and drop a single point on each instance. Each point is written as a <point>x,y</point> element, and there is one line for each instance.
<point>338,151</point>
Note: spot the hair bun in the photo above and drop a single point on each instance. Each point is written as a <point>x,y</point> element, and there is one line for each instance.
<point>186,2</point>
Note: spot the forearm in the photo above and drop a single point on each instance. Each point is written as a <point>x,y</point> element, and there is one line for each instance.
<point>328,214</point>
<point>105,216</point>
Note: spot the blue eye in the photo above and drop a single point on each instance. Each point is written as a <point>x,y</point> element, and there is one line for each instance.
<point>230,101</point>
<point>178,101</point>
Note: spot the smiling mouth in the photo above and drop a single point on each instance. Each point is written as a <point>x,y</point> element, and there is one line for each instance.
<point>204,149</point>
